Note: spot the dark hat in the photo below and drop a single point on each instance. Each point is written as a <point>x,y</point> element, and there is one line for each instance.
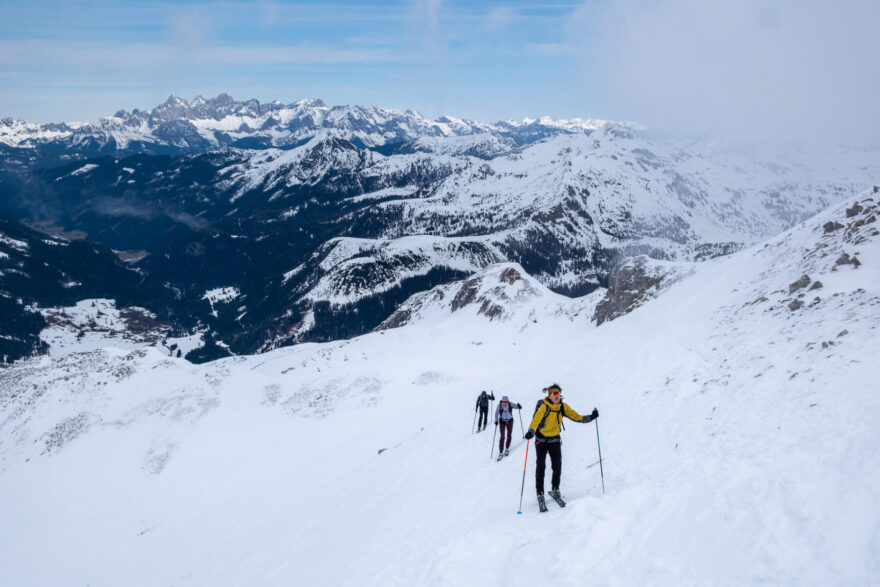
<point>552,388</point>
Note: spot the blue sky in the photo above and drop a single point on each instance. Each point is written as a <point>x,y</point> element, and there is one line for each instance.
<point>486,60</point>
<point>763,66</point>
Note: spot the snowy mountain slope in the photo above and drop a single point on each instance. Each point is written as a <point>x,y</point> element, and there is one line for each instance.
<point>502,291</point>
<point>356,268</point>
<point>633,189</point>
<point>738,430</point>
<point>38,272</point>
<point>569,207</point>
<point>482,145</point>
<point>94,324</point>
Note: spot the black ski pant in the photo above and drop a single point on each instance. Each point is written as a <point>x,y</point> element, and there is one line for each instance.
<point>483,418</point>
<point>505,427</point>
<point>542,448</point>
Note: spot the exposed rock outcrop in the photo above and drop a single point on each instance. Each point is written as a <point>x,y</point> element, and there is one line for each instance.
<point>632,284</point>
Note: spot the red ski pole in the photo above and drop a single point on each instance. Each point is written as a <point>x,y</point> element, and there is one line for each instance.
<point>525,464</point>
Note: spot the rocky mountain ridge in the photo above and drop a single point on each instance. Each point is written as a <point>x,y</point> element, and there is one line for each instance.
<point>179,126</point>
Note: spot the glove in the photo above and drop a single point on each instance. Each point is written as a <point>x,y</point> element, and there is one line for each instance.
<point>595,413</point>
<point>496,422</point>
<point>518,406</point>
<point>530,434</point>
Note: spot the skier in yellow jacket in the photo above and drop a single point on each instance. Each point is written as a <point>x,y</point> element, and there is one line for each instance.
<point>545,428</point>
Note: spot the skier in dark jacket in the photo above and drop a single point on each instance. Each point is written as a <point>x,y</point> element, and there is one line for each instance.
<point>545,428</point>
<point>504,417</point>
<point>483,406</point>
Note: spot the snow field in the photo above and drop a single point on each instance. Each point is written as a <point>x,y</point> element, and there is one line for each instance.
<point>737,449</point>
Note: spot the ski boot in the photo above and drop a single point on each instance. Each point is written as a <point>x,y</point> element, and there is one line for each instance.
<point>500,456</point>
<point>506,451</point>
<point>541,505</point>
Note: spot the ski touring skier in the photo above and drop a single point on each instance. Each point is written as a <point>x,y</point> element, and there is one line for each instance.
<point>483,407</point>
<point>545,428</point>
<point>504,418</point>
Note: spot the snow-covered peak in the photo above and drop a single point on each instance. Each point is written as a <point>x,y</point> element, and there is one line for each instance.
<point>222,120</point>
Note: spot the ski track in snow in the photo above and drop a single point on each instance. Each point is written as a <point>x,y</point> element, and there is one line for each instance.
<point>739,449</point>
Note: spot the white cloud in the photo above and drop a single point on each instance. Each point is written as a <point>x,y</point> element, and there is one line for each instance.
<point>793,67</point>
<point>426,29</point>
<point>500,18</point>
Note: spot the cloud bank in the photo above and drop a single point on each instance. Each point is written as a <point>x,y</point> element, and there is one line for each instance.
<point>797,68</point>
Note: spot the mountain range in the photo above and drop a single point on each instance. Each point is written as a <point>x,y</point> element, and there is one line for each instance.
<point>257,225</point>
<point>178,126</point>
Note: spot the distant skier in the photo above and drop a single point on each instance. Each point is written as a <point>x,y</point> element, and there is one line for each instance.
<point>545,428</point>
<point>504,416</point>
<point>483,406</point>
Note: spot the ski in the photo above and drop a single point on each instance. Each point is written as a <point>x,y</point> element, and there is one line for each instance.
<point>557,498</point>
<point>541,504</point>
<point>500,456</point>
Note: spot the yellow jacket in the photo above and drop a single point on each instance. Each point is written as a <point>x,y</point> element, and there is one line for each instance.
<point>553,422</point>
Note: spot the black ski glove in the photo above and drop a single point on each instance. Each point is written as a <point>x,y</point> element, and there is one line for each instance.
<point>591,417</point>
<point>530,434</point>
<point>518,406</point>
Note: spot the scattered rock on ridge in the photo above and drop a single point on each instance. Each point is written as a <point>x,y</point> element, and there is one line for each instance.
<point>845,259</point>
<point>495,291</point>
<point>800,283</point>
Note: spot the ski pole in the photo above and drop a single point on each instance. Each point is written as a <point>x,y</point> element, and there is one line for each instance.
<point>599,445</point>
<point>491,452</point>
<point>475,421</point>
<point>520,423</point>
<point>522,489</point>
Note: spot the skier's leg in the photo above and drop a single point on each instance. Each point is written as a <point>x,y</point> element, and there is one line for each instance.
<point>555,451</point>
<point>501,438</point>
<point>541,457</point>
<point>509,427</point>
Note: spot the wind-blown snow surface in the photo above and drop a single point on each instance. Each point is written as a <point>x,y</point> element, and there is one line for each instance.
<point>739,436</point>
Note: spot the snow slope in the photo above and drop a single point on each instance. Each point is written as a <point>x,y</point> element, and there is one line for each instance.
<point>739,431</point>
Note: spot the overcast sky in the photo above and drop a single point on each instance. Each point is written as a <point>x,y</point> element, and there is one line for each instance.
<point>748,66</point>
